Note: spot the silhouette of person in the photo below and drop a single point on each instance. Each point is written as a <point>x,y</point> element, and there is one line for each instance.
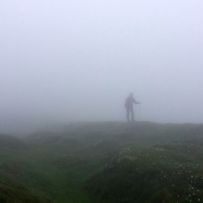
<point>129,105</point>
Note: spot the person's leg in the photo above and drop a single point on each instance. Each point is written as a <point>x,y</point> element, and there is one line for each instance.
<point>132,115</point>
<point>132,119</point>
<point>128,115</point>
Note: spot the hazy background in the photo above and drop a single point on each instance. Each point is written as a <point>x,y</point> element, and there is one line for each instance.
<point>77,60</point>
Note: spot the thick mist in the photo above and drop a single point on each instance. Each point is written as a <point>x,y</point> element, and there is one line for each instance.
<point>65,61</point>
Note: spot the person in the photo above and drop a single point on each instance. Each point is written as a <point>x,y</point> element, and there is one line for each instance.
<point>129,105</point>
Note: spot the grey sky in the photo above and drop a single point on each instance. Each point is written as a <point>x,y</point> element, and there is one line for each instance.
<point>77,60</point>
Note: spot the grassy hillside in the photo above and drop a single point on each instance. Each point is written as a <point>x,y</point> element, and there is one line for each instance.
<point>104,162</point>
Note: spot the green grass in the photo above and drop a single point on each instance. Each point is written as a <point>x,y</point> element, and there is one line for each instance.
<point>82,163</point>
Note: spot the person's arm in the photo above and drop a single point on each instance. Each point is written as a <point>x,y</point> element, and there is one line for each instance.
<point>136,102</point>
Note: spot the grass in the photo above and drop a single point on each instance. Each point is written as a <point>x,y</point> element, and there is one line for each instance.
<point>94,162</point>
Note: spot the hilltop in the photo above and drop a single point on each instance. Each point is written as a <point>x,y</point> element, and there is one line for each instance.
<point>104,162</point>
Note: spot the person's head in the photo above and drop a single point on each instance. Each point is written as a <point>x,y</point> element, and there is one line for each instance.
<point>131,94</point>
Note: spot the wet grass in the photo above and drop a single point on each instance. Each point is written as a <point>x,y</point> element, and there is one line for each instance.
<point>94,162</point>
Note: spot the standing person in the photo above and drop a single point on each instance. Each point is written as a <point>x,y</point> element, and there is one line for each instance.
<point>129,105</point>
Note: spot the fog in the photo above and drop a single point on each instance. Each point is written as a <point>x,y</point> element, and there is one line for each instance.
<point>76,60</point>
